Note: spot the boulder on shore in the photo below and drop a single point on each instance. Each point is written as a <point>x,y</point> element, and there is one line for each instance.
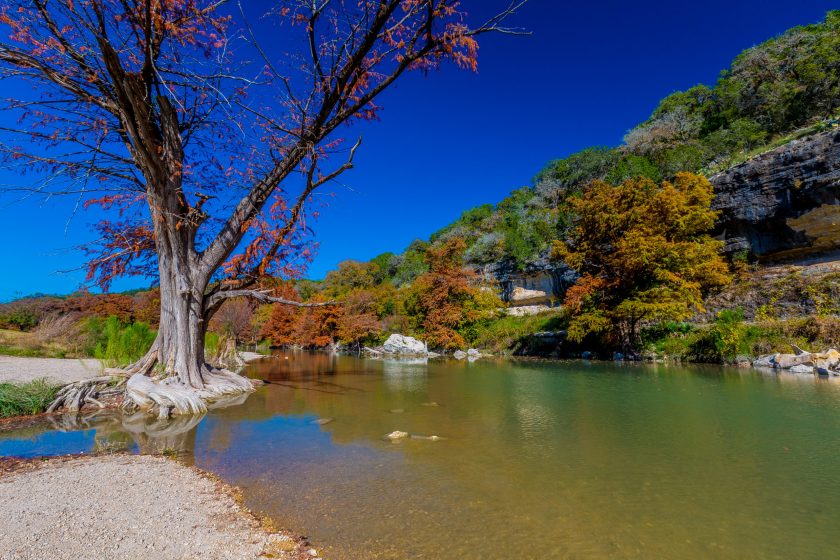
<point>767,361</point>
<point>404,345</point>
<point>824,363</point>
<point>787,361</point>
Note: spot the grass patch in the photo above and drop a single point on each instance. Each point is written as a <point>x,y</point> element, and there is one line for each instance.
<point>506,333</point>
<point>26,398</point>
<point>24,344</point>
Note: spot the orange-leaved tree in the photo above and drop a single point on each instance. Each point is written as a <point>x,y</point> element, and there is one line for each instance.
<point>205,143</point>
<point>643,253</point>
<point>447,300</point>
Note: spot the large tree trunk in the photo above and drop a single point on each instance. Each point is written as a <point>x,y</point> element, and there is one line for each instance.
<point>182,328</point>
<point>185,382</point>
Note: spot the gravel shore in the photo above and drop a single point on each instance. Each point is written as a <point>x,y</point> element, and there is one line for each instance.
<point>127,507</point>
<point>14,369</point>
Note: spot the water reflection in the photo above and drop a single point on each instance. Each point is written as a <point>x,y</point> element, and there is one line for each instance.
<point>538,460</point>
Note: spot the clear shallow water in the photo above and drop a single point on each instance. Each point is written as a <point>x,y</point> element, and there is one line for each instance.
<point>539,460</point>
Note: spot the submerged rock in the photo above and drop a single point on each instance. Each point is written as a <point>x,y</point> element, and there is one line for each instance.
<point>396,435</point>
<point>427,438</point>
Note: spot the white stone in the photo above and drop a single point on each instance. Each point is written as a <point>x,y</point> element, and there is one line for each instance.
<point>399,344</point>
<point>802,368</point>
<point>523,294</point>
<point>525,310</point>
<point>765,361</point>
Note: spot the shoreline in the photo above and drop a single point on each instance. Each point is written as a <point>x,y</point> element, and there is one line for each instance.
<point>48,510</point>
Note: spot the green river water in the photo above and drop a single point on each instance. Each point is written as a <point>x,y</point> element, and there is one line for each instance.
<point>537,459</point>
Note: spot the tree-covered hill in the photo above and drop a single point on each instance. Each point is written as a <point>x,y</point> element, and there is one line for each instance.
<point>783,88</point>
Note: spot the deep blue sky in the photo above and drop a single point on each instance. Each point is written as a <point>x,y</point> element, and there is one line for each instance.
<point>454,139</point>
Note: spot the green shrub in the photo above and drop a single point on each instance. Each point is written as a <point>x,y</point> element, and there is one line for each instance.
<point>19,318</point>
<point>117,343</point>
<point>27,398</point>
<point>211,344</point>
<point>507,333</point>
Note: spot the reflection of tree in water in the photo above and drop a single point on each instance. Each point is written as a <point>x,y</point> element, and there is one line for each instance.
<point>149,434</point>
<point>295,366</point>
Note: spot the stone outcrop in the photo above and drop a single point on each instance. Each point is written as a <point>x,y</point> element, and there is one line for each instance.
<point>784,203</point>
<point>539,283</point>
<point>821,363</point>
<point>405,346</point>
<point>525,310</point>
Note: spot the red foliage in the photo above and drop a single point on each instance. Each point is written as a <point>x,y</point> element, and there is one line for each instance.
<point>164,112</point>
<point>235,319</point>
<point>101,305</point>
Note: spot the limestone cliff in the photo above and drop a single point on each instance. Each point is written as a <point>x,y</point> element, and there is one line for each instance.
<point>783,203</point>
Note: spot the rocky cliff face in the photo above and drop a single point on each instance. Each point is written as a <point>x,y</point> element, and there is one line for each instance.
<point>539,283</point>
<point>783,203</point>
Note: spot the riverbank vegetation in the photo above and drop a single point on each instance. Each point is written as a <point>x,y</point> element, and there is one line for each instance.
<point>26,398</point>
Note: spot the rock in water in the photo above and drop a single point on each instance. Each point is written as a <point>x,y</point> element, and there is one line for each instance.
<point>802,368</point>
<point>396,435</point>
<point>406,345</point>
<point>427,438</point>
<point>767,361</point>
<point>787,361</point>
<point>322,421</point>
<point>459,355</point>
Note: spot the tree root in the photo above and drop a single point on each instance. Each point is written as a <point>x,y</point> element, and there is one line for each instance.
<point>171,397</point>
<point>165,397</point>
<point>74,396</point>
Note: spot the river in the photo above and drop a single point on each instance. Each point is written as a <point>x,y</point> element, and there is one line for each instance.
<point>535,459</point>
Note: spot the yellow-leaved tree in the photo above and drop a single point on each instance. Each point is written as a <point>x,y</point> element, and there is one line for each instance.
<point>644,254</point>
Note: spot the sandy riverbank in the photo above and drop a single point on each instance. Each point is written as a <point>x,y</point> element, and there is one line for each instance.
<point>15,369</point>
<point>128,507</point>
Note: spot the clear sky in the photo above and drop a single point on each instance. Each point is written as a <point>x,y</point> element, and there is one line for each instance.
<point>454,140</point>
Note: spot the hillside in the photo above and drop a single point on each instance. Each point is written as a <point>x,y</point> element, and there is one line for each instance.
<point>772,94</point>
